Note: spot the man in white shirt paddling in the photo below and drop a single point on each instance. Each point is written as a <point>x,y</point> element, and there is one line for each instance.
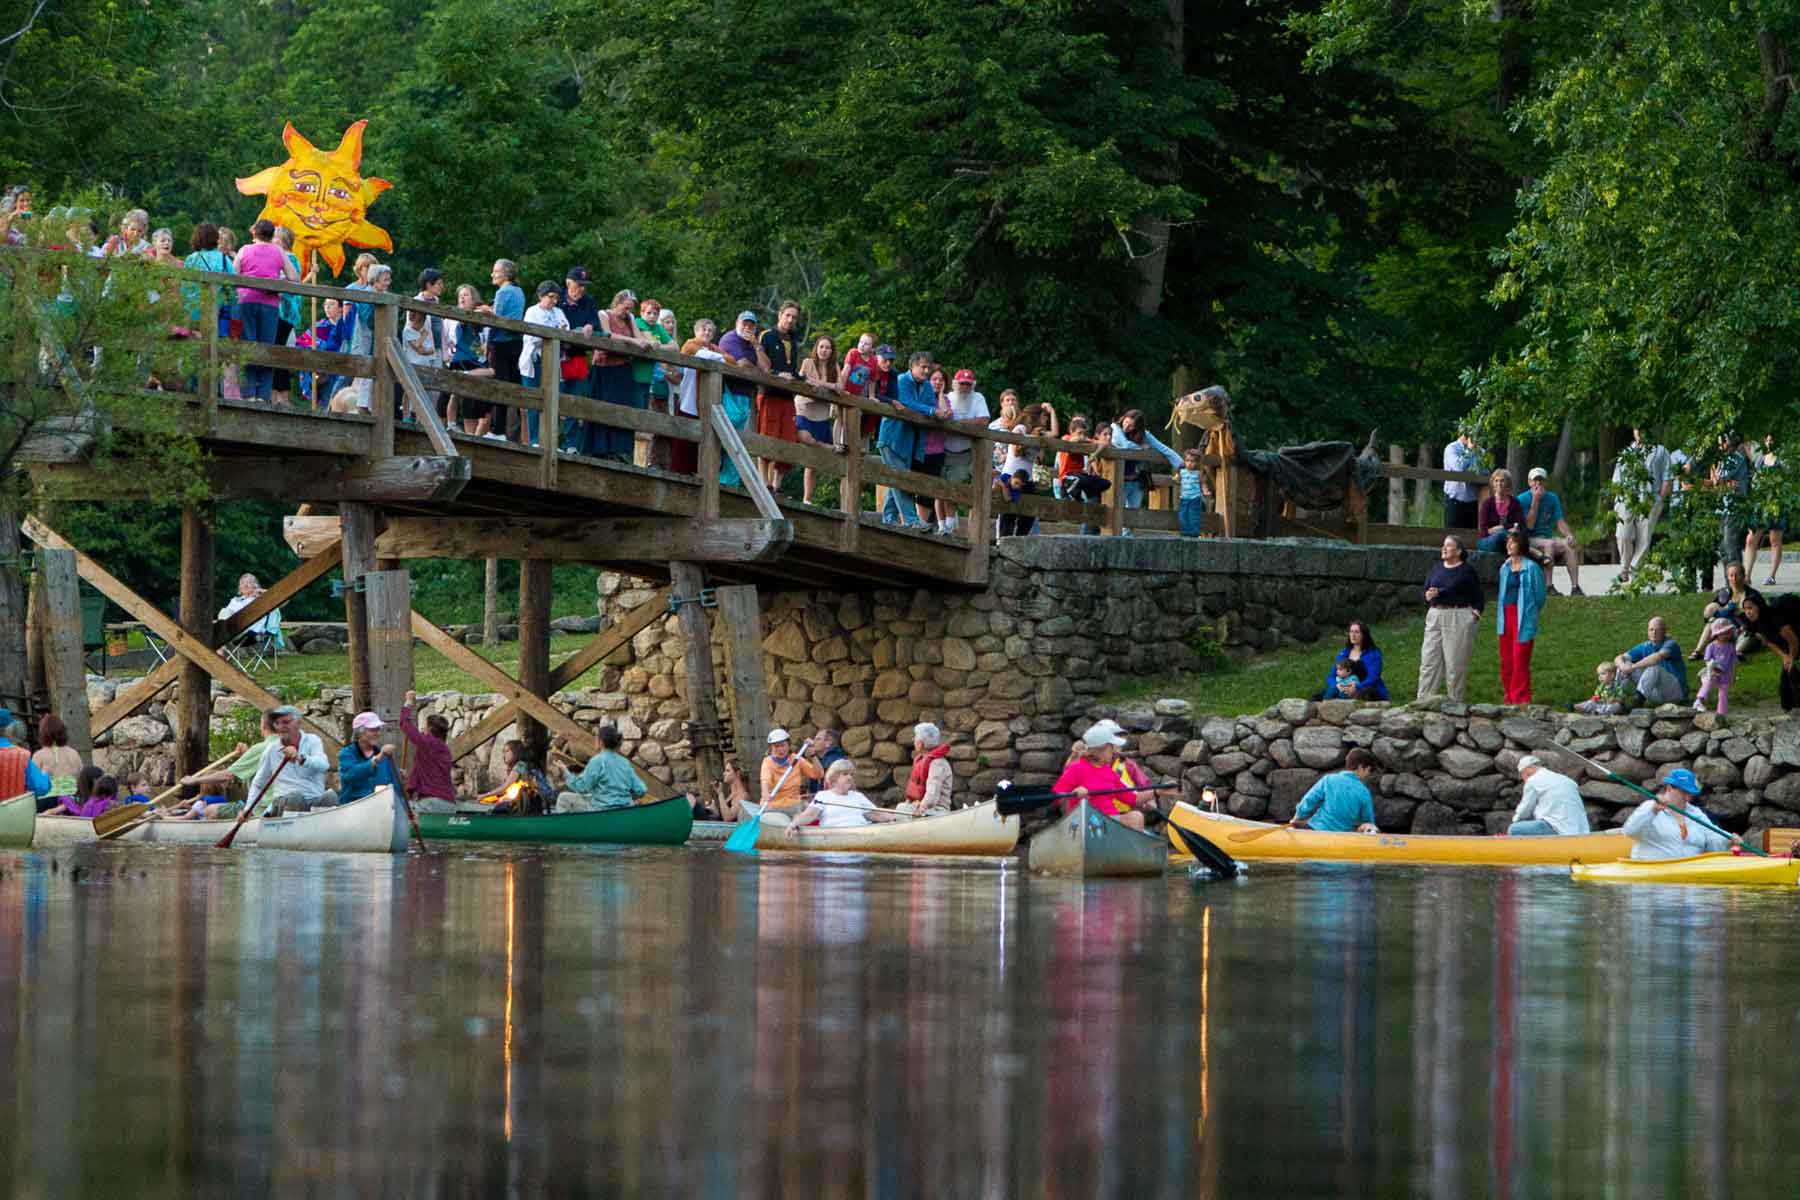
<point>1551,805</point>
<point>1659,829</point>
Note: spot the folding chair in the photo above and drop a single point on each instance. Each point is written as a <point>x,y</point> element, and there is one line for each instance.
<point>257,647</point>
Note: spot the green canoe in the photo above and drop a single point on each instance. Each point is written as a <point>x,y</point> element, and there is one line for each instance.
<point>18,818</point>
<point>664,823</point>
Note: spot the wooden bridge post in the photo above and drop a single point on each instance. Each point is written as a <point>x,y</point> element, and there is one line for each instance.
<point>13,692</point>
<point>550,420</point>
<point>534,646</point>
<point>193,730</point>
<point>65,673</point>
<point>981,511</point>
<point>687,580</point>
<point>37,689</point>
<point>388,597</point>
<point>490,603</point>
<point>357,522</point>
<point>1422,497</point>
<point>709,392</point>
<point>751,716</point>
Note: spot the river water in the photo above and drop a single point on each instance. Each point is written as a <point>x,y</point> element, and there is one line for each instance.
<point>516,1022</point>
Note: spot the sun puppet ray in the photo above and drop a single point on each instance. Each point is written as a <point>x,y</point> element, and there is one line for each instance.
<point>323,198</point>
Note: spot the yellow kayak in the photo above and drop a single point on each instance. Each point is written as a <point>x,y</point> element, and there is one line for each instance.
<point>1446,849</point>
<point>1701,868</point>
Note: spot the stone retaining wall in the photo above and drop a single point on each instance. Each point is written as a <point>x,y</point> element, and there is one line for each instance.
<point>1453,768</point>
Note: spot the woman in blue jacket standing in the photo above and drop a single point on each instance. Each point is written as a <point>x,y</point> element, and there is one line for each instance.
<point>1516,617</point>
<point>1359,648</point>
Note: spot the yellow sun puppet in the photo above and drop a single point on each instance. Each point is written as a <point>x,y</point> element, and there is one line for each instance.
<point>323,198</point>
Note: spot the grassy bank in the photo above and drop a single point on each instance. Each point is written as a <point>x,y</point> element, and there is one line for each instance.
<point>1574,634</point>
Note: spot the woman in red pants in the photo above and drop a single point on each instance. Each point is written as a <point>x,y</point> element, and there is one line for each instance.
<point>1516,617</point>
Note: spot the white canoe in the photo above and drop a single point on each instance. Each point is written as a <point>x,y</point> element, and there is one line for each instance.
<point>18,817</point>
<point>375,824</point>
<point>978,829</point>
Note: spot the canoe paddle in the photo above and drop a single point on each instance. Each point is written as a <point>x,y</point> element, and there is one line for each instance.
<point>1216,860</point>
<point>1012,801</point>
<point>1677,809</point>
<point>118,822</point>
<point>1250,835</point>
<point>743,838</point>
<point>224,843</point>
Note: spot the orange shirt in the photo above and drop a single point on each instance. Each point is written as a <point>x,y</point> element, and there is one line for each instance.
<point>789,796</point>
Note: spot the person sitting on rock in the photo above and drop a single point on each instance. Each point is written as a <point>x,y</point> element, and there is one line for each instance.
<point>1551,805</point>
<point>1655,666</point>
<point>1664,827</point>
<point>1611,696</point>
<point>1341,802</point>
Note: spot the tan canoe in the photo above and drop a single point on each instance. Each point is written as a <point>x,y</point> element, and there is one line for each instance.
<point>977,829</point>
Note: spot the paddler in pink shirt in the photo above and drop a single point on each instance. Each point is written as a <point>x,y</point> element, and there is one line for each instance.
<point>1092,773</point>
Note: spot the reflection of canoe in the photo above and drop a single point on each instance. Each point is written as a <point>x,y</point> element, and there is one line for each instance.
<point>18,816</point>
<point>663,823</point>
<point>376,824</point>
<point>1701,868</point>
<point>1449,849</point>
<point>978,829</point>
<point>712,831</point>
<point>1089,844</point>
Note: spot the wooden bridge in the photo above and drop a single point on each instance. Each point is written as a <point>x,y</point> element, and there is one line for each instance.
<point>375,490</point>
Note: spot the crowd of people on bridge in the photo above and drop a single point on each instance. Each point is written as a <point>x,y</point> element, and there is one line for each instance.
<point>456,335</point>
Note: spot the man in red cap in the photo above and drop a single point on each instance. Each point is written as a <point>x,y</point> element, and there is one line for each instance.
<point>967,407</point>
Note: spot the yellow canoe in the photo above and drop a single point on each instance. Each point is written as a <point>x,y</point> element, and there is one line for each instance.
<point>1448,849</point>
<point>1701,868</point>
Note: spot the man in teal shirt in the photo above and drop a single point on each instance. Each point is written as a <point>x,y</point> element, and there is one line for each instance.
<point>1340,803</point>
<point>606,782</point>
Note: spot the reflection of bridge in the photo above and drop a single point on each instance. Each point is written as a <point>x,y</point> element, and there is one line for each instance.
<point>379,491</point>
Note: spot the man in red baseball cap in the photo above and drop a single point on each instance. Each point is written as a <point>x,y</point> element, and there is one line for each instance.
<point>967,407</point>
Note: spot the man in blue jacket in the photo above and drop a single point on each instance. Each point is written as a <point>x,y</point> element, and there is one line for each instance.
<point>900,443</point>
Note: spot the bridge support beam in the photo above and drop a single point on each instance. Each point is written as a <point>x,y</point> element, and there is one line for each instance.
<point>357,523</point>
<point>64,670</point>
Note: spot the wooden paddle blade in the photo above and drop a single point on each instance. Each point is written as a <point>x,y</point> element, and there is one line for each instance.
<point>110,821</point>
<point>1216,860</point>
<point>1252,834</point>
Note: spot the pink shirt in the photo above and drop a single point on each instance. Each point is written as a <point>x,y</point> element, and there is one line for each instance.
<point>259,260</point>
<point>1085,773</point>
<point>431,762</point>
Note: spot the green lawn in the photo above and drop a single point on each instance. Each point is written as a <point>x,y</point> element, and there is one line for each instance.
<point>1575,633</point>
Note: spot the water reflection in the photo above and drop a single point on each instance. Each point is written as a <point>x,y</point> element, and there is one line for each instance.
<point>687,1022</point>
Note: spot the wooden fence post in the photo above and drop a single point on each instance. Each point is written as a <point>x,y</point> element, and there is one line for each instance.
<point>550,420</point>
<point>709,392</point>
<point>1422,497</point>
<point>357,521</point>
<point>1396,488</point>
<point>490,604</point>
<point>981,511</point>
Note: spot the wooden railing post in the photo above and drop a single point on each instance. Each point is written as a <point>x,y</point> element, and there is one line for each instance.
<point>981,511</point>
<point>709,392</point>
<point>1115,496</point>
<point>550,420</point>
<point>381,387</point>
<point>850,483</point>
<point>211,373</point>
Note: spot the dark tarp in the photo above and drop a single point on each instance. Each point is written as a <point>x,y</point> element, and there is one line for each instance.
<point>1316,475</point>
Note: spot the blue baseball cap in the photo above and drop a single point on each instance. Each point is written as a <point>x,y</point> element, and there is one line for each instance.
<point>748,315</point>
<point>1683,780</point>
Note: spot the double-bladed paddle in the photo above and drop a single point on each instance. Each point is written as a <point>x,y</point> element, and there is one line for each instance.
<point>1677,809</point>
<point>1012,801</point>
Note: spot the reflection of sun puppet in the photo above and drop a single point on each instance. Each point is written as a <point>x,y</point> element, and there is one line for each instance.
<point>323,198</point>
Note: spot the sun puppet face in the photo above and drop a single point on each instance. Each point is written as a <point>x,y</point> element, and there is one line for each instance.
<point>323,198</point>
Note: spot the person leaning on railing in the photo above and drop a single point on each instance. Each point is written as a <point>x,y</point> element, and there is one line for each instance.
<point>1129,433</point>
<point>900,443</point>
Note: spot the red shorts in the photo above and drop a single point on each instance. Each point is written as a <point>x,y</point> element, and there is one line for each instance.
<point>775,416</point>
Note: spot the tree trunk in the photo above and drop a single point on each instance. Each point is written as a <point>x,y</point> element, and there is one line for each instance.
<point>1150,235</point>
<point>1565,450</point>
<point>13,691</point>
<point>1515,462</point>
